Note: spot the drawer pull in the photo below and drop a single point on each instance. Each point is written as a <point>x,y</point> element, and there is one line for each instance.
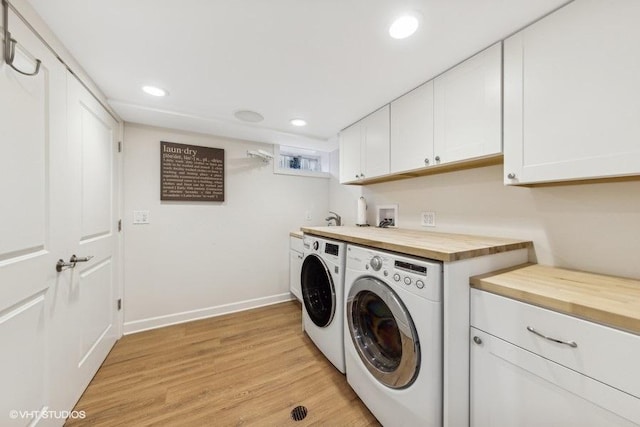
<point>569,343</point>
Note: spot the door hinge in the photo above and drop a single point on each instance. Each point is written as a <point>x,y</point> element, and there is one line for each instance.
<point>119,146</point>
<point>119,304</point>
<point>119,225</point>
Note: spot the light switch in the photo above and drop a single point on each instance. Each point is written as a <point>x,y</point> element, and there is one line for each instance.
<point>141,217</point>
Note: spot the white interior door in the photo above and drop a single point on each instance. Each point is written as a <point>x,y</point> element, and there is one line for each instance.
<point>32,125</point>
<point>58,197</point>
<point>84,337</point>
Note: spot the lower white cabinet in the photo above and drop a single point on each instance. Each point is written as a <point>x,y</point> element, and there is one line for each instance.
<point>519,378</point>
<point>295,266</point>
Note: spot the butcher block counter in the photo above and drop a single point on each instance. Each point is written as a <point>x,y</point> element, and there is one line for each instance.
<point>439,246</point>
<point>608,300</point>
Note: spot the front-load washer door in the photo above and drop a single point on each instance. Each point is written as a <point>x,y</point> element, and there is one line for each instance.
<point>383,333</point>
<point>318,291</point>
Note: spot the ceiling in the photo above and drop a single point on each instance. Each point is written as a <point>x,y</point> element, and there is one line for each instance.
<point>330,62</point>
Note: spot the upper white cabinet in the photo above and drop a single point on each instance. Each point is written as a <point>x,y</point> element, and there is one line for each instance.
<point>350,144</point>
<point>412,129</point>
<point>452,122</point>
<point>571,85</point>
<point>364,147</point>
<point>468,108</point>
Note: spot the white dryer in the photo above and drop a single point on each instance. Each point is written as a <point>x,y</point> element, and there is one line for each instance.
<point>322,284</point>
<point>393,335</point>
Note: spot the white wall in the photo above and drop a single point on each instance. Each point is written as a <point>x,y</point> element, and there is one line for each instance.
<point>199,259</point>
<point>591,227</point>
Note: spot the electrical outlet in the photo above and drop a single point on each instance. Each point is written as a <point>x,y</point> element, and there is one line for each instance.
<point>428,219</point>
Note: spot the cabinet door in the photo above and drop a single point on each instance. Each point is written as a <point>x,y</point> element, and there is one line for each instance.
<point>375,155</point>
<point>295,268</point>
<point>350,147</point>
<point>412,129</point>
<point>468,108</point>
<point>571,94</point>
<point>510,386</point>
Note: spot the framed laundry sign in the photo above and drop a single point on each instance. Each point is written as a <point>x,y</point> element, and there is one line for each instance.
<point>191,173</point>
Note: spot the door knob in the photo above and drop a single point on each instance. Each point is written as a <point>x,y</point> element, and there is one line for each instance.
<point>61,265</point>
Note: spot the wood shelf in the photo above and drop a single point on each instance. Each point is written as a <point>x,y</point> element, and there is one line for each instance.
<point>477,162</point>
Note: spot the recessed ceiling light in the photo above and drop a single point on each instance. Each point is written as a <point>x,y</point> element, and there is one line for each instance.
<point>155,91</point>
<point>298,122</point>
<point>403,27</point>
<point>248,116</point>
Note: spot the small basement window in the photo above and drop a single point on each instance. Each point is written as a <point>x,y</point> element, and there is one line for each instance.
<point>300,161</point>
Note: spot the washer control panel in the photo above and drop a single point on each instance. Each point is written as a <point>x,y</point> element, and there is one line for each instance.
<point>327,249</point>
<point>416,275</point>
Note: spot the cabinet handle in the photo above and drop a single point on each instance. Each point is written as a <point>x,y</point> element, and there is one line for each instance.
<point>361,175</point>
<point>426,161</point>
<point>437,159</point>
<point>511,176</point>
<point>569,343</point>
<point>300,257</point>
<point>357,176</point>
<point>477,340</point>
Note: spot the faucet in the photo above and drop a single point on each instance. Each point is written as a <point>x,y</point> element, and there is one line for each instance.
<point>334,217</point>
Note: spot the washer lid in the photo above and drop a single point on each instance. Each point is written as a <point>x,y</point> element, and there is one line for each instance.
<point>318,291</point>
<point>383,333</point>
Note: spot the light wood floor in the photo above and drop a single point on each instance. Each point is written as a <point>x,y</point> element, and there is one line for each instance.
<point>248,368</point>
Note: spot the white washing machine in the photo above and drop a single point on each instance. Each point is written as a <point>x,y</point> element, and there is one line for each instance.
<point>322,284</point>
<point>393,335</point>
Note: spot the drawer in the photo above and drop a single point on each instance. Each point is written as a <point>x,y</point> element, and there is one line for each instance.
<point>295,243</point>
<point>602,353</point>
<point>510,386</point>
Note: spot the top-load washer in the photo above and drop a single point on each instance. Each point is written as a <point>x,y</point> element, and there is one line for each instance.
<point>393,335</point>
<point>322,284</point>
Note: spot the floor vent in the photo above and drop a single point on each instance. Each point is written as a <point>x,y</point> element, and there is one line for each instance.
<point>298,413</point>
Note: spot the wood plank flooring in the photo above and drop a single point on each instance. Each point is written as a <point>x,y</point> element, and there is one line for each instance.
<point>249,368</point>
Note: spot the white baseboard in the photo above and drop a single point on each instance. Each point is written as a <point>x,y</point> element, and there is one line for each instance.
<point>202,313</point>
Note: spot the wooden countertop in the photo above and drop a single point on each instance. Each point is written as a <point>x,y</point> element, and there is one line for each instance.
<point>297,234</point>
<point>609,300</point>
<point>439,246</point>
